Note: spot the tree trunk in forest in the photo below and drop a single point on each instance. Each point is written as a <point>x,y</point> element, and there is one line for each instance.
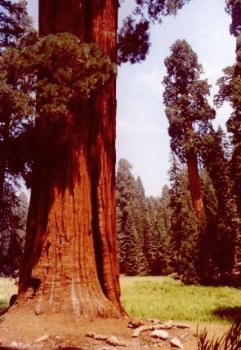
<point>194,183</point>
<point>70,261</point>
<point>3,163</point>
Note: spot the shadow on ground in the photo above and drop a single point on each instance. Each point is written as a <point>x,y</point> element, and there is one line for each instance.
<point>232,314</point>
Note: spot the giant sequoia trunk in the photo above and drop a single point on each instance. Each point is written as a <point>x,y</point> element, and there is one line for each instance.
<point>70,261</point>
<point>194,183</point>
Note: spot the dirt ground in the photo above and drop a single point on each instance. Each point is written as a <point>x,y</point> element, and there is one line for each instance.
<point>28,331</point>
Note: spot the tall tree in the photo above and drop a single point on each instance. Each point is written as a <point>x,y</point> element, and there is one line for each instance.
<point>185,233</point>
<point>229,90</point>
<point>187,110</point>
<point>228,226</point>
<point>129,222</point>
<point>14,23</point>
<point>71,232</point>
<point>14,121</point>
<point>70,255</point>
<point>210,251</point>
<point>164,223</point>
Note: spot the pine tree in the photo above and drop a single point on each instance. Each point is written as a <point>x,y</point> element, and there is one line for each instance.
<point>209,250</point>
<point>127,235</point>
<point>14,25</point>
<point>228,225</point>
<point>164,220</point>
<point>131,214</point>
<point>155,246</point>
<point>184,227</point>
<point>229,90</point>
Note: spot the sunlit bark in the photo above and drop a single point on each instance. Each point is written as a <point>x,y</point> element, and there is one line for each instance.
<point>70,260</point>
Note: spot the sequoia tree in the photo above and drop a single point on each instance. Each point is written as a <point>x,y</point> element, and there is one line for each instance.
<point>187,110</point>
<point>70,255</point>
<point>70,261</point>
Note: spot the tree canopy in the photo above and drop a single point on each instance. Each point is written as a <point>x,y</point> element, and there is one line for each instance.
<point>134,35</point>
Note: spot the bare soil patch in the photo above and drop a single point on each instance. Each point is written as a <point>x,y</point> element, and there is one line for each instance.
<point>27,331</point>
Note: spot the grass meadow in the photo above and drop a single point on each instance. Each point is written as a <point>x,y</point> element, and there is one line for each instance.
<point>165,298</point>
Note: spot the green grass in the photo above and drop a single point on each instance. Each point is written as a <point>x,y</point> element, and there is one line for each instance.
<point>7,289</point>
<point>165,298</point>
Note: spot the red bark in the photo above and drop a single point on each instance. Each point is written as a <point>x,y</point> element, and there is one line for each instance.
<point>70,260</point>
<point>194,183</point>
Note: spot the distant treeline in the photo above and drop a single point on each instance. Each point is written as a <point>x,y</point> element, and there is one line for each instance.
<point>160,236</point>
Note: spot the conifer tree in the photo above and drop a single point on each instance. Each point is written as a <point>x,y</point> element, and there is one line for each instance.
<point>130,221</point>
<point>142,226</point>
<point>14,122</point>
<point>184,227</point>
<point>127,235</point>
<point>229,90</point>
<point>209,250</point>
<point>155,239</point>
<point>164,220</point>
<point>188,112</point>
<point>228,225</point>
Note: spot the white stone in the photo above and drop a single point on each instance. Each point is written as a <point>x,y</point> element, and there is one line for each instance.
<point>14,344</point>
<point>181,325</point>
<point>43,338</point>
<point>114,341</point>
<point>175,343</point>
<point>160,334</point>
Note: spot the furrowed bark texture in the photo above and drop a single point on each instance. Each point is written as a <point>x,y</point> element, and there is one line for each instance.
<point>194,183</point>
<point>70,260</point>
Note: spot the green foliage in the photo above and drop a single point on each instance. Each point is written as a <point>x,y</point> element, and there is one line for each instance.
<point>14,22</point>
<point>129,222</point>
<point>134,35</point>
<point>209,249</point>
<point>185,98</point>
<point>15,109</point>
<point>236,174</point>
<point>58,69</point>
<point>228,224</point>
<point>143,241</point>
<point>184,227</point>
<point>164,298</point>
<point>229,90</point>
<point>12,228</point>
<point>233,7</point>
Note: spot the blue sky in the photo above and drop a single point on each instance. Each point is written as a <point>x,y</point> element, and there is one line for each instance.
<point>142,136</point>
